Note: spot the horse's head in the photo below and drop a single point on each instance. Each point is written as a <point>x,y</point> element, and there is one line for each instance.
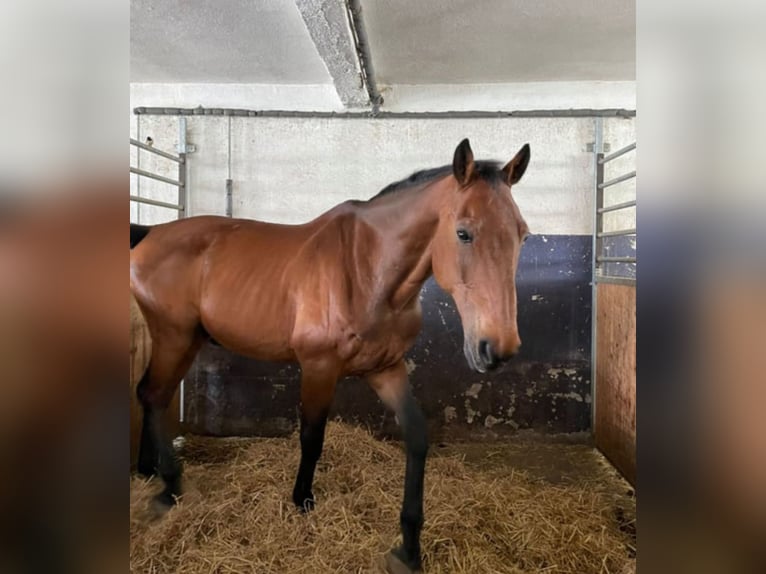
<point>476,251</point>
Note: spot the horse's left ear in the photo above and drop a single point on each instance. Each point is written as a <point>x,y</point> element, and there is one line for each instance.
<point>515,168</point>
<point>463,164</point>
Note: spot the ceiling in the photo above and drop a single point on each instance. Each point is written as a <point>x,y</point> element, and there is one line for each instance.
<point>421,43</point>
<point>499,41</point>
<point>222,41</point>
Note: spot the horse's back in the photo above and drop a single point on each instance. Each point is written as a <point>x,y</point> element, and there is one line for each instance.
<point>166,265</point>
<point>224,274</point>
<point>261,289</point>
<point>248,293</point>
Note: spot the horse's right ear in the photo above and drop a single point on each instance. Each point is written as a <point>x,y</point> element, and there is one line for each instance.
<point>462,163</point>
<point>515,168</point>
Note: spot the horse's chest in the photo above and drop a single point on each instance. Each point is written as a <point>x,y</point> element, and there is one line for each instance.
<point>385,341</point>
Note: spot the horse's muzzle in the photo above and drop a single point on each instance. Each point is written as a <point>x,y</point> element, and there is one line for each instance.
<point>485,357</point>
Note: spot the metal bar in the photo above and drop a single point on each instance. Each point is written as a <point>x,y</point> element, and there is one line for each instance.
<point>617,206</point>
<point>228,150</point>
<point>617,180</point>
<point>148,148</point>
<point>181,135</point>
<point>615,259</point>
<point>148,201</point>
<point>598,245</point>
<point>183,193</point>
<point>618,153</point>
<point>138,165</point>
<point>616,233</point>
<point>470,114</point>
<point>359,35</point>
<point>598,201</point>
<point>616,280</point>
<point>151,175</point>
<point>229,199</point>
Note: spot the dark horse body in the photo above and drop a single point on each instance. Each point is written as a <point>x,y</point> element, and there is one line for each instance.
<point>339,295</point>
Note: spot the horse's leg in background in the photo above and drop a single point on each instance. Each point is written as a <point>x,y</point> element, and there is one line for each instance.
<point>393,389</point>
<point>147,451</point>
<point>172,354</point>
<point>317,391</point>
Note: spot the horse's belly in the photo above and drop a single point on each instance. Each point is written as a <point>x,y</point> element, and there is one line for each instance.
<point>255,331</point>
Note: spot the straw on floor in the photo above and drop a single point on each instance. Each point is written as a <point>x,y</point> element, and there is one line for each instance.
<point>236,515</point>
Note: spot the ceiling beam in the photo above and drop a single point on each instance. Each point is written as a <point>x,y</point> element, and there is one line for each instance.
<point>327,22</point>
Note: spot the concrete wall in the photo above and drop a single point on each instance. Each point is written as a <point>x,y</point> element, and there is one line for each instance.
<point>291,170</point>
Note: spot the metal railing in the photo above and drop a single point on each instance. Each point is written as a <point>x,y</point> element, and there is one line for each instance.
<point>600,256</point>
<point>180,183</point>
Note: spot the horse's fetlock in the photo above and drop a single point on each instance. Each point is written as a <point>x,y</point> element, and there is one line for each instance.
<point>411,518</point>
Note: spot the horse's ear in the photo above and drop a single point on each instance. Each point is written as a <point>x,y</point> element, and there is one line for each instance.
<point>462,163</point>
<point>515,168</point>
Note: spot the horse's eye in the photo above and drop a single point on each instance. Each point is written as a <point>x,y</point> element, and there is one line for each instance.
<point>464,236</point>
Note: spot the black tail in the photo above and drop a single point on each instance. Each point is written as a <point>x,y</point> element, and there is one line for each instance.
<point>137,233</point>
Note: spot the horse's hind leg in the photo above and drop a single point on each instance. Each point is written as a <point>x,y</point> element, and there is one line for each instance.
<point>147,451</point>
<point>317,392</point>
<point>171,357</point>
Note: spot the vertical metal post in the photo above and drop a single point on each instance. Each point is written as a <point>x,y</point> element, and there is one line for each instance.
<point>599,222</point>
<point>138,165</point>
<point>182,196</point>
<point>229,202</point>
<point>598,201</point>
<point>183,193</point>
<point>229,184</point>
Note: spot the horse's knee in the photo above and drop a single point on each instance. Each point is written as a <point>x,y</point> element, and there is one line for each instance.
<point>415,429</point>
<point>411,517</point>
<point>152,395</point>
<point>417,444</point>
<point>142,391</point>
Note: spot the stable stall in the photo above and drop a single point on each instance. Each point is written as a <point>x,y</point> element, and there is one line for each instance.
<point>531,467</point>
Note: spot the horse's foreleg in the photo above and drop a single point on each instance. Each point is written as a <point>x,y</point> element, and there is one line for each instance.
<point>171,357</point>
<point>317,392</point>
<point>393,389</point>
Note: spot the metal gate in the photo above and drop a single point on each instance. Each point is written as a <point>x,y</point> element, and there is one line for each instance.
<point>614,306</point>
<point>179,182</point>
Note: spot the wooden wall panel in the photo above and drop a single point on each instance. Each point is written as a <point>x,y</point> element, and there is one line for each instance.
<point>615,420</point>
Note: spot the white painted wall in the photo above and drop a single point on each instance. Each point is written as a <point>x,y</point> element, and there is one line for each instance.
<point>290,170</point>
<point>509,96</point>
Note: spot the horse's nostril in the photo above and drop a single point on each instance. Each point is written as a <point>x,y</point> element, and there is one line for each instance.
<point>486,354</point>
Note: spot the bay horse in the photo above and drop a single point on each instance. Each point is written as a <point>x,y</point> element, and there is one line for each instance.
<point>339,295</point>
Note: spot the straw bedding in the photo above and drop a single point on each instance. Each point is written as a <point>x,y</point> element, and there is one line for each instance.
<point>236,515</point>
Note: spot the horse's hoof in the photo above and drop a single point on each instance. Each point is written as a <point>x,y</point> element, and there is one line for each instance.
<point>159,506</point>
<point>145,469</point>
<point>304,503</point>
<point>395,565</point>
<point>165,500</point>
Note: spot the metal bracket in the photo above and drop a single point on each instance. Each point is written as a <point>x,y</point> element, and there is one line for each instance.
<point>183,146</point>
<point>590,147</point>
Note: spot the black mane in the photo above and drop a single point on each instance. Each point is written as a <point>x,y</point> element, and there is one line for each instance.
<point>489,171</point>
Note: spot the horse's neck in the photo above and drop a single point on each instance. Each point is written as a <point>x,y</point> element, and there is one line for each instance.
<point>406,222</point>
